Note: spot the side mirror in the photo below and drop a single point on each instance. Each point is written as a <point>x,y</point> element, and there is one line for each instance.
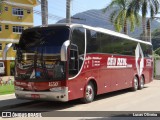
<point>64,55</point>
<point>7,47</point>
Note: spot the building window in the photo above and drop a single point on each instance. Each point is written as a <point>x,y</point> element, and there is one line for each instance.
<point>17,11</point>
<point>0,46</point>
<point>28,11</point>
<point>0,28</point>
<point>6,8</point>
<point>6,27</point>
<point>18,29</point>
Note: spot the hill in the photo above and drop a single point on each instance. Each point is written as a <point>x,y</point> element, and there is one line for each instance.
<point>156,39</point>
<point>97,18</point>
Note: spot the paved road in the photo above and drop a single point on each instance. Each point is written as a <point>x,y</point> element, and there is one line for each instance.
<point>147,99</point>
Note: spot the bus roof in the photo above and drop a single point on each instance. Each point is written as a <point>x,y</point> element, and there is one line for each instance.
<point>98,29</point>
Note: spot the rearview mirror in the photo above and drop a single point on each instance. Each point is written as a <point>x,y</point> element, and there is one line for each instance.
<point>7,47</point>
<point>64,54</point>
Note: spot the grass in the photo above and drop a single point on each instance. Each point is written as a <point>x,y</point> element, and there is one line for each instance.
<point>6,89</point>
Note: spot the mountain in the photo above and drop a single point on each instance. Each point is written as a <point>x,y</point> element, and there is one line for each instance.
<point>156,39</point>
<point>97,18</point>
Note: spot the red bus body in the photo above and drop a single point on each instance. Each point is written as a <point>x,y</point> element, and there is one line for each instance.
<point>107,72</point>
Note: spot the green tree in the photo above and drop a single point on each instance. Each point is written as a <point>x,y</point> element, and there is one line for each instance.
<point>156,39</point>
<point>120,16</point>
<point>157,51</point>
<point>0,6</point>
<point>145,7</point>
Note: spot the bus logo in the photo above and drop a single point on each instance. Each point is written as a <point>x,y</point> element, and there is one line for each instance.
<point>114,62</point>
<point>139,59</point>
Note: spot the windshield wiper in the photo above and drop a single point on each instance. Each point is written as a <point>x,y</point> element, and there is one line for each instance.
<point>43,64</point>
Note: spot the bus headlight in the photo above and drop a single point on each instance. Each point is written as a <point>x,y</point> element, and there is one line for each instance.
<point>19,88</point>
<point>56,89</point>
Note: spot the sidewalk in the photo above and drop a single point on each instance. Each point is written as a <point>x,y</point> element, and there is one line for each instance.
<point>6,97</point>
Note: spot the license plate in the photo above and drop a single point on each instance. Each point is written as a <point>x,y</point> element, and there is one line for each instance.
<point>35,96</point>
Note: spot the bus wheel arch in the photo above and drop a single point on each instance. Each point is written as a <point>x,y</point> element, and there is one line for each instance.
<point>95,86</point>
<point>141,82</point>
<point>90,91</point>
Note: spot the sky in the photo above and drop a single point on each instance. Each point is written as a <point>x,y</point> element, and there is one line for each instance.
<point>57,9</point>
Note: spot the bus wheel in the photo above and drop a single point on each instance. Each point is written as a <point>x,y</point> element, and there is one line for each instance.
<point>135,84</point>
<point>89,93</point>
<point>141,83</point>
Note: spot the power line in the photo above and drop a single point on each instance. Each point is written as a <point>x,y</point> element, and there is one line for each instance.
<point>91,15</point>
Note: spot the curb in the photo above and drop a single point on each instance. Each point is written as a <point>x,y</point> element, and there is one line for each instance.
<point>7,95</point>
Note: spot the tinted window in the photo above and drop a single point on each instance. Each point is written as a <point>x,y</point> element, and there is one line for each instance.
<point>39,51</point>
<point>0,28</point>
<point>93,42</point>
<point>124,46</point>
<point>104,43</point>
<point>147,50</point>
<point>48,40</point>
<point>78,39</point>
<point>1,64</point>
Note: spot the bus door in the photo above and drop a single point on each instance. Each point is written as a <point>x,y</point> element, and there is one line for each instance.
<point>76,59</point>
<point>73,61</point>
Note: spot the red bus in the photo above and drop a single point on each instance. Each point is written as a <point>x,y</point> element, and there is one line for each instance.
<point>64,62</point>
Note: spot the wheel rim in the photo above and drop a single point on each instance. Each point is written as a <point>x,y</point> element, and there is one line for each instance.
<point>135,83</point>
<point>89,92</point>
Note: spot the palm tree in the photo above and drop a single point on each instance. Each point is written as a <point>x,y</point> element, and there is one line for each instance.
<point>68,16</point>
<point>44,9</point>
<point>144,6</point>
<point>120,16</point>
<point>0,6</point>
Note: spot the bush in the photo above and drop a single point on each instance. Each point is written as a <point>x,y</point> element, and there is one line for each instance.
<point>156,57</point>
<point>157,51</point>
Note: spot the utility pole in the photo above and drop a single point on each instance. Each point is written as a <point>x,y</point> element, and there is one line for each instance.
<point>44,9</point>
<point>68,14</point>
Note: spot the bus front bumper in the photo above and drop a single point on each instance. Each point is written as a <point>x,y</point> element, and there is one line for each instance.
<point>49,95</point>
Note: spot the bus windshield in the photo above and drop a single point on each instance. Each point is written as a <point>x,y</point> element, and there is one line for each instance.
<point>38,54</point>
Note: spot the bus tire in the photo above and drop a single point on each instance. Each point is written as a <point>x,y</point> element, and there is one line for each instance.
<point>89,93</point>
<point>135,84</point>
<point>141,83</point>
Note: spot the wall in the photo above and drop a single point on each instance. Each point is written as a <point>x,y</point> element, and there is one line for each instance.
<point>157,68</point>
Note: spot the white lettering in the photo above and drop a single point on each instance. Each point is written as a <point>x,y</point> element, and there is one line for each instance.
<point>148,62</point>
<point>51,84</point>
<point>122,62</point>
<point>150,114</point>
<point>111,61</point>
<point>96,58</point>
<point>137,114</point>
